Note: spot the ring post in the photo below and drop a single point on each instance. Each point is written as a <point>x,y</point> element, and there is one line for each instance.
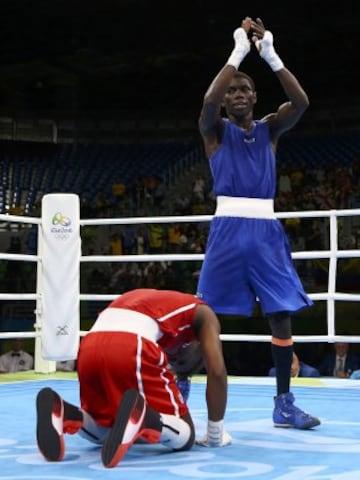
<point>58,308</point>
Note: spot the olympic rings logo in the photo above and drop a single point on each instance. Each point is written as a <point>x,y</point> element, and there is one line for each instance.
<point>62,236</point>
<point>60,219</point>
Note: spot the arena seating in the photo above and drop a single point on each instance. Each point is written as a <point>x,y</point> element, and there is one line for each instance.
<point>28,170</point>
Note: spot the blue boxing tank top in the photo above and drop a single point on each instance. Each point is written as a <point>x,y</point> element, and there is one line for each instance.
<point>244,165</point>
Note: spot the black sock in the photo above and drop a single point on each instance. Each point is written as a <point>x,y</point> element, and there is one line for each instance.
<point>282,357</point>
<point>71,412</point>
<point>152,419</point>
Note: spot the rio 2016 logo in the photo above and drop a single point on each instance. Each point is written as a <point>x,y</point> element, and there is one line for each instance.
<point>61,226</point>
<point>60,219</point>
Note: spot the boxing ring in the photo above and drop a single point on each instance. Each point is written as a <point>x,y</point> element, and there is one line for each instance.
<point>259,450</point>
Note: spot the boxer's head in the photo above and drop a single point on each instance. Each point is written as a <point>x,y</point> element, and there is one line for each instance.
<point>188,360</point>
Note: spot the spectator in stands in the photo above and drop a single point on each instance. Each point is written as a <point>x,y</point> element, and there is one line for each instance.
<point>199,188</point>
<point>174,234</point>
<point>343,187</point>
<point>183,237</point>
<point>340,362</point>
<point>32,240</point>
<point>182,204</point>
<point>154,274</point>
<point>314,238</point>
<point>137,193</point>
<point>198,206</point>
<point>117,270</point>
<point>118,190</point>
<point>149,188</point>
<point>88,239</point>
<point>157,238</point>
<point>198,245</point>
<point>297,179</point>
<point>129,240</point>
<point>307,200</point>
<point>142,240</point>
<point>116,246</point>
<point>99,279</point>
<point>298,369</point>
<point>17,359</point>
<point>284,183</point>
<point>325,196</point>
<point>292,225</point>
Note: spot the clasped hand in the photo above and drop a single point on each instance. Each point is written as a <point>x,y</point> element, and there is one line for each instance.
<point>262,39</point>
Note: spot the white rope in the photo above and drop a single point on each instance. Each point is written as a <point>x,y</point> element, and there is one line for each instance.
<point>18,219</point>
<point>208,218</point>
<point>162,257</point>
<point>20,257</point>
<point>319,213</point>
<point>350,297</point>
<point>226,337</point>
<point>296,338</point>
<point>20,335</point>
<point>173,257</point>
<point>18,296</point>
<point>330,297</point>
<point>145,220</point>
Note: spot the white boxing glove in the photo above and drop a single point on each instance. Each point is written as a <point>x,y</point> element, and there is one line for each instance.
<point>216,436</point>
<point>241,49</point>
<point>267,51</point>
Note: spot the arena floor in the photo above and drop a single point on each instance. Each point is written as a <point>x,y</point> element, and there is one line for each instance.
<point>259,451</point>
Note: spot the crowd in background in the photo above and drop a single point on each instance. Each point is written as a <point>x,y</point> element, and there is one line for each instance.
<point>299,188</point>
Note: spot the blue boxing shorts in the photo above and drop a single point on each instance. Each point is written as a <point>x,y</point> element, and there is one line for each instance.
<point>248,259</point>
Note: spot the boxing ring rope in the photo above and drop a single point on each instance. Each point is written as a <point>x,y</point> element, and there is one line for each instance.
<point>331,296</point>
<point>333,254</point>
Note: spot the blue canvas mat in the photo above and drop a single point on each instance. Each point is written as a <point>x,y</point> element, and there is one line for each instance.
<point>259,451</point>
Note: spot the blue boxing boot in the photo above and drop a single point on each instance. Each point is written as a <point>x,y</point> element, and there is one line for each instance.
<point>184,384</point>
<point>286,414</point>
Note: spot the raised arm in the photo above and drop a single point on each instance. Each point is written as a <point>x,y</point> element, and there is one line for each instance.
<point>290,112</point>
<point>210,122</point>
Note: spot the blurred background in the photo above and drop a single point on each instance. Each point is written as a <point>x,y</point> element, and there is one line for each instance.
<point>95,59</point>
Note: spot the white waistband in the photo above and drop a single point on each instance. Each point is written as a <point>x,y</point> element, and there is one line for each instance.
<point>244,207</point>
<point>124,320</point>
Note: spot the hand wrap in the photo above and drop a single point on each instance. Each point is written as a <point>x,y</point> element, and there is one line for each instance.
<point>267,52</point>
<point>241,49</point>
<point>216,436</point>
